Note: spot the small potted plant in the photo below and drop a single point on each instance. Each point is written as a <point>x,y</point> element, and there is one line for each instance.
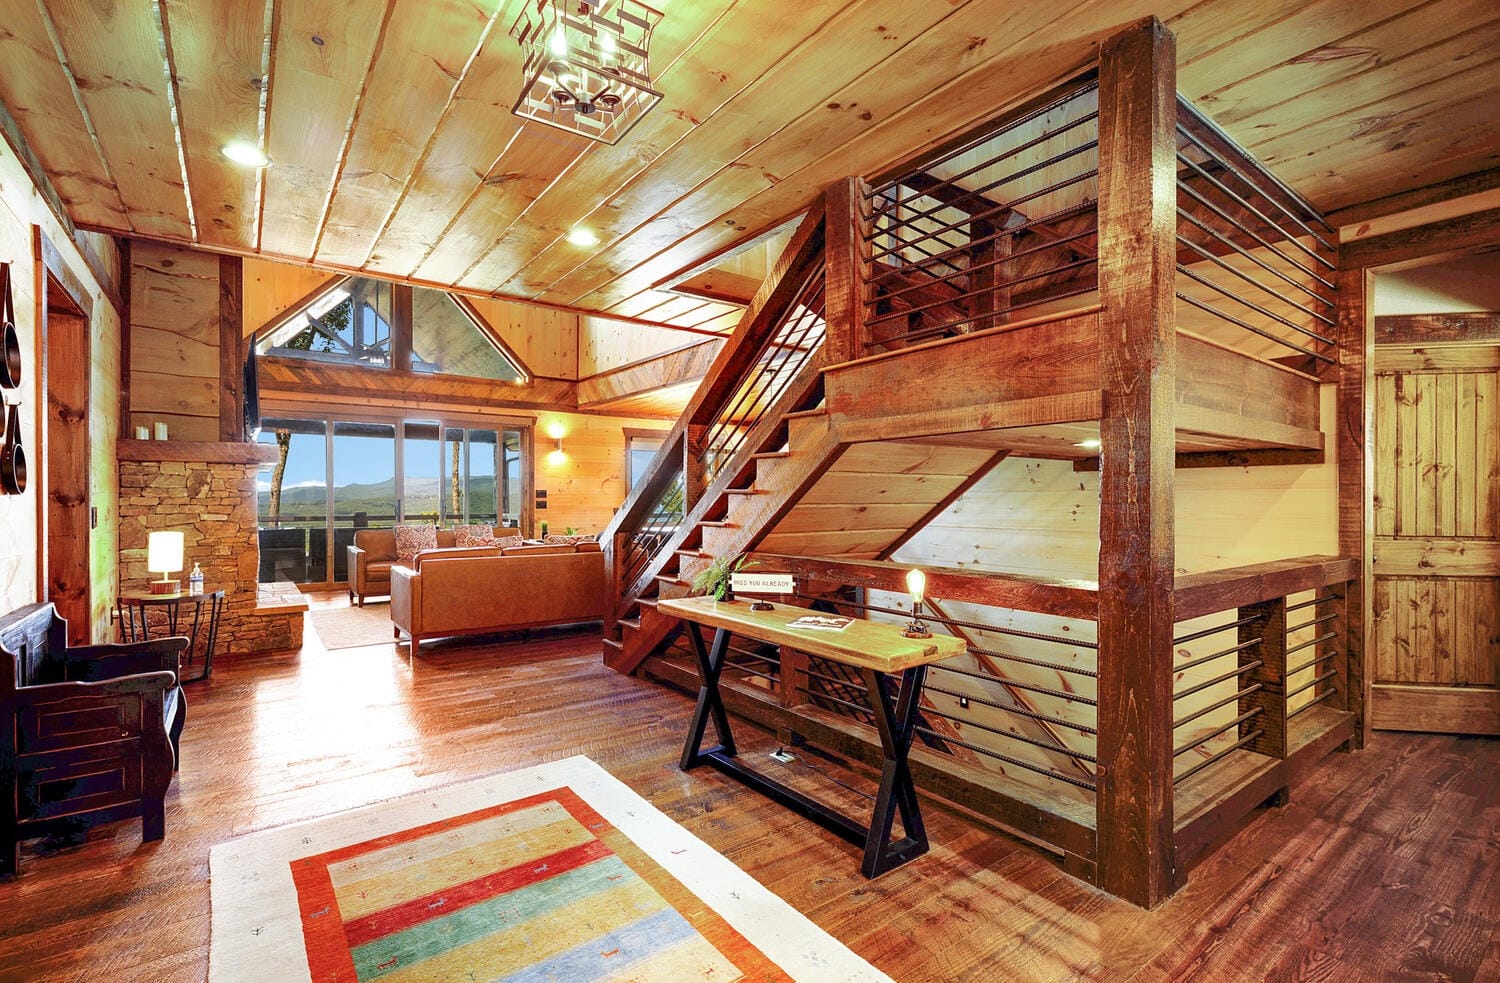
<point>713,580</point>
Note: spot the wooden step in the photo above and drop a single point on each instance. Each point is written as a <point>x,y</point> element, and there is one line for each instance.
<point>752,490</point>
<point>716,525</point>
<point>694,554</point>
<point>612,644</point>
<point>770,455</point>
<point>671,580</point>
<point>806,414</point>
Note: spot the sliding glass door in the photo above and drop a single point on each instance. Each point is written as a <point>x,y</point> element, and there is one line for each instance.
<point>335,476</point>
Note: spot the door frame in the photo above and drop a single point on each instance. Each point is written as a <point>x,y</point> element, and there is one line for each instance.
<point>64,446</point>
<point>1360,259</point>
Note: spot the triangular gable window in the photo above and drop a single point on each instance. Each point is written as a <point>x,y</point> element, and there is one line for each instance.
<point>350,322</point>
<point>451,337</point>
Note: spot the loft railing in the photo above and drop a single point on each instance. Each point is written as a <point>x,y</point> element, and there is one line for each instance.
<point>1255,262</point>
<point>1005,225</point>
<point>765,369</point>
<point>1253,690</point>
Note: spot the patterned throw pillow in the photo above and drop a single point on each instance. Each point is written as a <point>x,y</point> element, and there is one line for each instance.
<point>568,540</point>
<point>474,535</point>
<point>410,540</point>
<point>506,542</point>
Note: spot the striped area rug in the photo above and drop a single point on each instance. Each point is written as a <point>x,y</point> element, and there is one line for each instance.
<point>557,872</point>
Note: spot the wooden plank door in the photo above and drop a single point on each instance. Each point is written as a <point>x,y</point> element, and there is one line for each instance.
<point>1437,539</point>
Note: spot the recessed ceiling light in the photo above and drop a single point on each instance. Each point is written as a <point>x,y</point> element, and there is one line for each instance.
<point>1091,445</point>
<point>245,153</point>
<point>583,237</point>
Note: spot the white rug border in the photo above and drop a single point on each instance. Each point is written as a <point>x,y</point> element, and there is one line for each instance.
<point>268,909</point>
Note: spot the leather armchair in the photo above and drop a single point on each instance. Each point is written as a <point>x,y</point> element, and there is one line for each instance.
<point>90,734</point>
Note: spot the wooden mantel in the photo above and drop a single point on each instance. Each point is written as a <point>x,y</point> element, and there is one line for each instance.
<point>195,451</point>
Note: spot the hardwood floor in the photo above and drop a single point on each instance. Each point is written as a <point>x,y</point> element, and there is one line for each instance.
<point>1386,864</point>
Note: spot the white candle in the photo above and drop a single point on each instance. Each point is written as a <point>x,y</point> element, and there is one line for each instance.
<point>161,431</point>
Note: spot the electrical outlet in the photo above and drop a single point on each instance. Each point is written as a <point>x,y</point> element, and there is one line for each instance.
<point>783,755</point>
<point>963,702</point>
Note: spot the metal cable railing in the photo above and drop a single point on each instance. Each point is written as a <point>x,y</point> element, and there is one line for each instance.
<point>795,340</point>
<point>1251,253</point>
<point>1005,222</point>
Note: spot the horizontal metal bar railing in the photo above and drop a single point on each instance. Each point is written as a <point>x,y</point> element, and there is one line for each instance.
<point>1247,667</point>
<point>1243,203</point>
<point>1201,660</point>
<point>1310,663</point>
<point>1203,739</point>
<point>1018,762</point>
<point>1225,315</point>
<point>1187,131</point>
<point>1030,688</point>
<point>1005,126</point>
<point>1012,735</point>
<point>957,623</point>
<point>1019,711</point>
<point>1316,621</point>
<point>1194,220</point>
<point>1312,641</point>
<point>1311,683</point>
<point>1324,599</point>
<point>1247,278</point>
<point>1219,705</point>
<point>1239,227</point>
<point>1216,629</point>
<point>1311,703</point>
<point>1252,305</point>
<point>1219,756</point>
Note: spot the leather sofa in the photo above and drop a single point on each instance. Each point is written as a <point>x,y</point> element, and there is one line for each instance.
<point>521,587</point>
<point>374,553</point>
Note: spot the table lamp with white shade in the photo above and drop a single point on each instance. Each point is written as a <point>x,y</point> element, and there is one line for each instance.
<point>164,556</point>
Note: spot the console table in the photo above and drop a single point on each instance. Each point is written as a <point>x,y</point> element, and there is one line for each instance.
<point>133,610</point>
<point>880,652</point>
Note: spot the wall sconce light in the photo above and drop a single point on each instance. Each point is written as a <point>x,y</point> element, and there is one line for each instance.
<point>916,585</point>
<point>555,431</point>
<point>164,556</point>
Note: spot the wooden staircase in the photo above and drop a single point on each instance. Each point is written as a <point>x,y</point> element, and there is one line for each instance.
<point>737,511</point>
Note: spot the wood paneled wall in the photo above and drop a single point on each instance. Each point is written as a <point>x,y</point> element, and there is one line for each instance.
<point>604,343</point>
<point>23,211</point>
<point>587,481</point>
<point>174,340</point>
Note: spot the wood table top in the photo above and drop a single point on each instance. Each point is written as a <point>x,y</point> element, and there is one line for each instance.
<point>865,644</point>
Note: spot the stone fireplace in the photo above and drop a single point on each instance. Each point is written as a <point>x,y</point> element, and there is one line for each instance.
<point>205,490</point>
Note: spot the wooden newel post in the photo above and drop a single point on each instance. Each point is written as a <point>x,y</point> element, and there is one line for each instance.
<point>1268,624</point>
<point>1137,278</point>
<point>848,257</point>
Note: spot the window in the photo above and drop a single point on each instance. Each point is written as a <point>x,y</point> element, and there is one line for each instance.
<point>353,321</point>
<point>349,323</point>
<point>640,448</point>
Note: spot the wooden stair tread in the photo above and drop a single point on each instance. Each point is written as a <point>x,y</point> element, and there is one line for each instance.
<point>717,524</point>
<point>611,643</point>
<point>805,414</point>
<point>770,455</point>
<point>752,490</point>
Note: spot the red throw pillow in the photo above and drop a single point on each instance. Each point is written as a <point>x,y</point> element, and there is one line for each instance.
<point>474,535</point>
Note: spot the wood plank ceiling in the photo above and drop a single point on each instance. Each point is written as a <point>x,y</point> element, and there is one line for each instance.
<point>395,152</point>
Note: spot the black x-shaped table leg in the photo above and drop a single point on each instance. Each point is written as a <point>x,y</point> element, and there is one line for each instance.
<point>896,723</point>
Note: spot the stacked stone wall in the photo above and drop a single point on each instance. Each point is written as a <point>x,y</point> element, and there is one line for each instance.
<point>213,505</point>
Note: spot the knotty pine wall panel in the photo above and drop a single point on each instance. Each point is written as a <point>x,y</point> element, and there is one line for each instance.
<point>271,288</point>
<point>604,343</point>
<point>1042,518</point>
<point>586,483</point>
<point>174,340</point>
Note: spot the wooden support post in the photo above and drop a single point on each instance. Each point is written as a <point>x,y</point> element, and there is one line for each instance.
<point>1268,625</point>
<point>985,272</point>
<point>848,260</point>
<point>231,349</point>
<point>1137,229</point>
<point>401,333</point>
<point>1355,504</point>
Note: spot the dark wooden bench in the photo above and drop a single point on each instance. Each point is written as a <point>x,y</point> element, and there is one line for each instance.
<point>87,734</point>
